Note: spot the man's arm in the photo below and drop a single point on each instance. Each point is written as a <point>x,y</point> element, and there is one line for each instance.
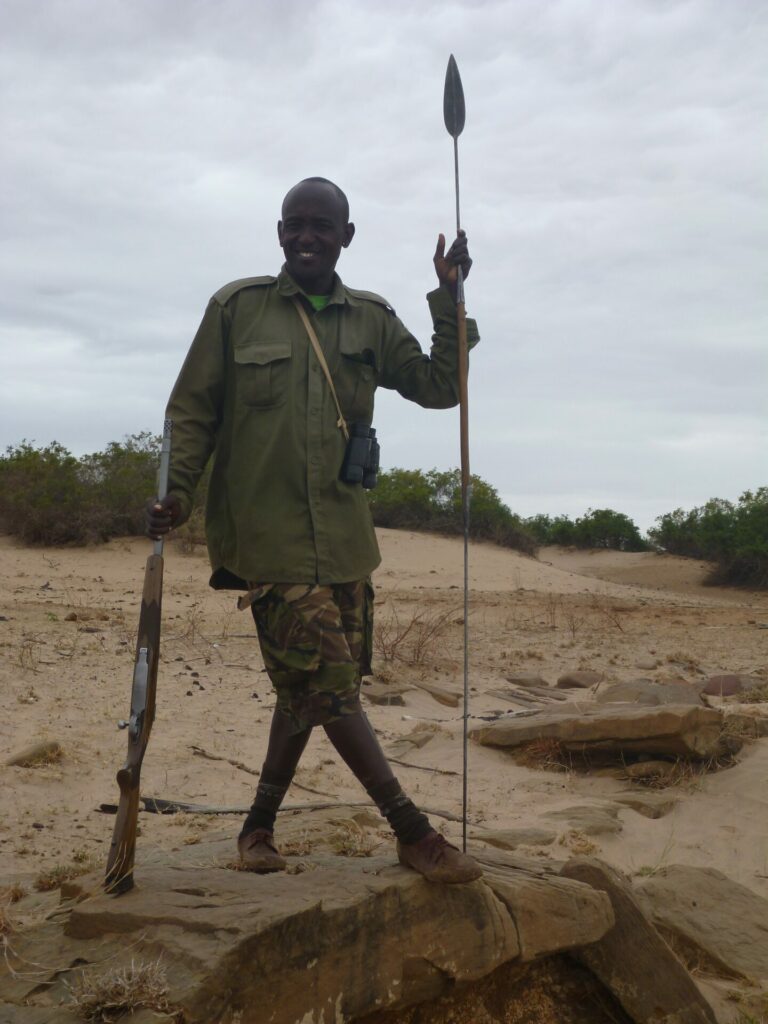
<point>431,381</point>
<point>195,406</point>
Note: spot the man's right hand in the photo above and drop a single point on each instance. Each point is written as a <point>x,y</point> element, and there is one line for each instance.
<point>160,516</point>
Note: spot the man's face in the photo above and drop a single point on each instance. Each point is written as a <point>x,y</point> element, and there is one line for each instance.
<point>312,233</point>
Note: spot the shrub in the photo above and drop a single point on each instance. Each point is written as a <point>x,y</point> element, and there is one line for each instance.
<point>733,536</point>
<point>432,501</point>
<point>598,528</point>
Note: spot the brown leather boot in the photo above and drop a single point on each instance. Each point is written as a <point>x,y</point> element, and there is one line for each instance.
<point>438,861</point>
<point>258,853</point>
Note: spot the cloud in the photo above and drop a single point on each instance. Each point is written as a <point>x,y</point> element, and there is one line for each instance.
<point>612,186</point>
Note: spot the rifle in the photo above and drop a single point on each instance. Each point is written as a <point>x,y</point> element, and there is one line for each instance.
<point>119,876</point>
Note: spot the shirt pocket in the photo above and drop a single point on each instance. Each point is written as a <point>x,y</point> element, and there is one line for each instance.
<point>262,372</point>
<point>356,381</point>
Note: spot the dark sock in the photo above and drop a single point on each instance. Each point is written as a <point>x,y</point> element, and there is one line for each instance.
<point>405,819</point>
<point>269,795</point>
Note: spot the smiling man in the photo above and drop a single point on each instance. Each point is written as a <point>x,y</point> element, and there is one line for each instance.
<point>287,419</point>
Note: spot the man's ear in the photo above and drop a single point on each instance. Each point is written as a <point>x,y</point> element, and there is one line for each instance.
<point>349,234</point>
<point>280,232</point>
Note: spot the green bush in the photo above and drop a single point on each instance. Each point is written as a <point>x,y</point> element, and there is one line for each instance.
<point>733,536</point>
<point>47,496</point>
<point>432,501</point>
<point>598,528</point>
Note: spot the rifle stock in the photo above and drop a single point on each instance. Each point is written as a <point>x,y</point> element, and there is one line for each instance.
<point>119,875</point>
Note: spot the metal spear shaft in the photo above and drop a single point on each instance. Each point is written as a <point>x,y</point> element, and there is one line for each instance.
<point>454,115</point>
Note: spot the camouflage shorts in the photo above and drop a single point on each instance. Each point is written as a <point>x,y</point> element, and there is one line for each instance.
<point>316,644</point>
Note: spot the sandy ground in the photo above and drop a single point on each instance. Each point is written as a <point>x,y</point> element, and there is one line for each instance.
<point>68,678</point>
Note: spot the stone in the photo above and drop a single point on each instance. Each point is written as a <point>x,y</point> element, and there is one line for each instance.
<point>335,939</point>
<point>648,693</point>
<point>548,919</point>
<point>615,730</point>
<point>711,920</point>
<point>526,679</point>
<point>511,838</point>
<point>591,819</point>
<point>387,694</point>
<point>442,694</point>
<point>650,805</point>
<point>43,752</point>
<point>646,663</point>
<point>632,960</point>
<point>730,683</point>
<point>582,679</point>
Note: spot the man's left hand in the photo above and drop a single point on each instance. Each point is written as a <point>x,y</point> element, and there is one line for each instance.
<point>446,263</point>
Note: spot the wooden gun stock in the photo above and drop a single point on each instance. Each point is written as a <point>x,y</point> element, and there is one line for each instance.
<point>119,876</point>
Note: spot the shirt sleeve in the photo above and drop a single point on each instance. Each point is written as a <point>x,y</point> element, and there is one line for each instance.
<point>196,405</point>
<point>431,381</point>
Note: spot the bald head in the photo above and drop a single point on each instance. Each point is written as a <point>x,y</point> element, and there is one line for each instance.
<point>340,196</point>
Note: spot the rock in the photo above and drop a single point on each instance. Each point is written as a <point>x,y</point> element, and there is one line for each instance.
<point>384,693</point>
<point>442,694</point>
<point>337,939</point>
<point>729,684</point>
<point>407,744</point>
<point>646,663</point>
<point>591,819</point>
<point>648,693</point>
<point>511,838</point>
<point>633,961</point>
<point>650,805</point>
<point>673,731</point>
<point>526,679</point>
<point>711,920</point>
<point>582,679</point>
<point>548,918</point>
<point>44,752</point>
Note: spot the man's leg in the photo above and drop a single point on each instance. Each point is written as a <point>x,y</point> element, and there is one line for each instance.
<point>419,846</point>
<point>284,750</point>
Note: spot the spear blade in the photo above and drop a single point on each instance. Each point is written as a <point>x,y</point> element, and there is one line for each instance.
<point>454,111</point>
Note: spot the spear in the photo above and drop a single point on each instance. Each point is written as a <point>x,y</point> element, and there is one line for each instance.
<point>454,115</point>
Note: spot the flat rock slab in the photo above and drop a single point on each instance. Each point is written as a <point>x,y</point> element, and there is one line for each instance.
<point>648,693</point>
<point>711,919</point>
<point>379,692</point>
<point>676,731</point>
<point>580,679</point>
<point>650,805</point>
<point>731,683</point>
<point>337,939</point>
<point>591,819</point>
<point>633,961</point>
<point>511,838</point>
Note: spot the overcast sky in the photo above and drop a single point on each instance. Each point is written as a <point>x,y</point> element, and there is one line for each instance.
<point>613,175</point>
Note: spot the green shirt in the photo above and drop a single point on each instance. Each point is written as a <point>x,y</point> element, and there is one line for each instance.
<point>251,391</point>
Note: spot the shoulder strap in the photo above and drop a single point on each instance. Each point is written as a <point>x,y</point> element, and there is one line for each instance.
<point>341,423</point>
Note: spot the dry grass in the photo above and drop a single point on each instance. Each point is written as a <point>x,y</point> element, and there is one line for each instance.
<point>578,842</point>
<point>350,840</point>
<point>54,878</point>
<point>412,640</point>
<point>106,996</point>
<point>758,695</point>
<point>546,754</point>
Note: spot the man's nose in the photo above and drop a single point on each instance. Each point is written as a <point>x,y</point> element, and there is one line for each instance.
<point>306,234</point>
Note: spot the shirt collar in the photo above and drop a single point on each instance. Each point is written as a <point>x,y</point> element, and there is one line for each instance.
<point>287,286</point>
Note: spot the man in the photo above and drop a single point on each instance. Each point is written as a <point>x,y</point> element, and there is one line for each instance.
<point>283,523</point>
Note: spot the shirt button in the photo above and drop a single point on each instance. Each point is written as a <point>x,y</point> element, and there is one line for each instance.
<point>315,460</point>
<point>314,410</point>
